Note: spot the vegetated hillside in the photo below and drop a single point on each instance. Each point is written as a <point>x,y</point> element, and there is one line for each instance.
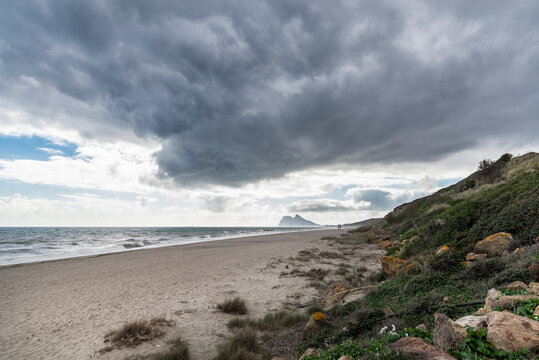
<point>503,196</point>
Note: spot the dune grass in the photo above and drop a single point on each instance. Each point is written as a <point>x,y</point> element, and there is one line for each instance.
<point>178,350</point>
<point>271,321</point>
<point>234,306</point>
<point>242,346</point>
<point>133,333</point>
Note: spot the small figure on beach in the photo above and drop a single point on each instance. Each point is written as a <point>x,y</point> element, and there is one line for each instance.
<point>339,227</point>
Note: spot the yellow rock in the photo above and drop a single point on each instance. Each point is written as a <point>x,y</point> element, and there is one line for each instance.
<point>465,263</point>
<point>385,244</point>
<point>408,268</point>
<point>494,245</point>
<point>441,250</point>
<point>391,264</point>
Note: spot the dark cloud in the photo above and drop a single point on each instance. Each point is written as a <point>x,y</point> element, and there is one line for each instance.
<point>240,91</point>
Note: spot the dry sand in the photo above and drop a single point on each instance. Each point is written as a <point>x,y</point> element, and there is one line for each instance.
<point>62,309</point>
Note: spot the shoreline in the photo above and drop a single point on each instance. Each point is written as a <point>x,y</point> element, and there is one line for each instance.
<point>197,241</point>
<point>63,308</point>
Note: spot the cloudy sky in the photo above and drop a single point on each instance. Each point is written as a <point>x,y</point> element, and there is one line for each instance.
<point>159,113</point>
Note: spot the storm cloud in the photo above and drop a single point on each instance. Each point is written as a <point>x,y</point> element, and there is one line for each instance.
<point>239,91</point>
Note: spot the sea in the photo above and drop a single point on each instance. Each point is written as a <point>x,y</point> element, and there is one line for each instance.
<point>29,244</point>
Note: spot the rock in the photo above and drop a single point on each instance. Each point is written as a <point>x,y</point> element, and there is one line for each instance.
<point>536,311</point>
<point>439,223</point>
<point>387,311</point>
<point>475,257</point>
<point>494,245</point>
<point>422,327</point>
<point>476,322</point>
<point>511,332</point>
<point>419,349</point>
<point>335,295</point>
<point>534,270</point>
<point>442,250</point>
<point>447,300</point>
<point>406,270</point>
<point>317,319</point>
<point>391,264</point>
<point>346,357</point>
<point>491,300</point>
<point>385,244</point>
<point>447,334</point>
<point>465,263</point>
<point>516,285</point>
<point>533,288</point>
<point>508,301</point>
<point>310,352</point>
<point>518,250</point>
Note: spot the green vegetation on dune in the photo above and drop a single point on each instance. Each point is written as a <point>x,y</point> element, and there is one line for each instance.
<point>501,197</point>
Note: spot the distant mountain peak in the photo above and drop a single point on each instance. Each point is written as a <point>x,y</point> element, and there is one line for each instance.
<point>297,220</point>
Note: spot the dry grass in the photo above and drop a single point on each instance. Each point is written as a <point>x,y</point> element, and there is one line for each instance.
<point>234,306</point>
<point>271,321</point>
<point>242,346</point>
<point>316,274</point>
<point>133,333</point>
<point>178,350</point>
<point>332,255</point>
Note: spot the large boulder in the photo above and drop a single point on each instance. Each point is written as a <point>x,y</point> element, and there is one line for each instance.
<point>391,264</point>
<point>447,334</point>
<point>511,332</point>
<point>475,322</point>
<point>419,349</point>
<point>494,245</point>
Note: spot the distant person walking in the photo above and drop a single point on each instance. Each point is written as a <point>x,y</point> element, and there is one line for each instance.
<point>339,227</point>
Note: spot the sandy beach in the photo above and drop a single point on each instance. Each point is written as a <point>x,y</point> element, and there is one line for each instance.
<point>62,309</point>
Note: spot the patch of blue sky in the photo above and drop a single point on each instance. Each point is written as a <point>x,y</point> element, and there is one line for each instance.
<point>446,182</point>
<point>33,148</point>
<point>55,192</point>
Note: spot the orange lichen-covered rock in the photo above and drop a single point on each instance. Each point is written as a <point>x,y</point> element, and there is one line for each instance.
<point>442,250</point>
<point>391,264</point>
<point>406,270</point>
<point>385,244</point>
<point>314,322</point>
<point>494,245</point>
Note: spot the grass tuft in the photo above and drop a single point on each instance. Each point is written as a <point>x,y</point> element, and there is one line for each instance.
<point>234,306</point>
<point>135,332</point>
<point>271,321</point>
<point>242,346</point>
<point>178,350</point>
